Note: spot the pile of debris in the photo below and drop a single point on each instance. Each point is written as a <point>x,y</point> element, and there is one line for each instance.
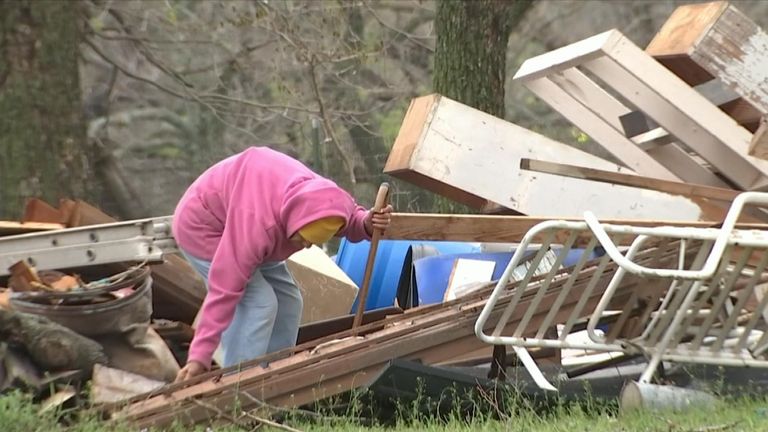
<point>659,260</point>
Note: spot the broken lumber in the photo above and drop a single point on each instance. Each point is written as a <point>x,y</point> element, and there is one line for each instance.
<point>326,367</point>
<point>635,76</point>
<point>702,41</point>
<point>473,157</point>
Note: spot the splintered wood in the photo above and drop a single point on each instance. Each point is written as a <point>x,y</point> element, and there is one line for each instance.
<point>341,362</point>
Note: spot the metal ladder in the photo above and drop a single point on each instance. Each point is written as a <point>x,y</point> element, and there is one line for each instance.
<point>140,240</point>
<point>677,294</point>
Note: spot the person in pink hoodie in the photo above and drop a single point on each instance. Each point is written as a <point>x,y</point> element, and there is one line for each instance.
<point>236,224</point>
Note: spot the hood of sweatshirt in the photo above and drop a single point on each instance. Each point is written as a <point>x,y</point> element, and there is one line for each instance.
<point>311,199</point>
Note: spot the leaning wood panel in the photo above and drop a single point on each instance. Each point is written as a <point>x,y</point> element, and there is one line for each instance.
<point>716,40</point>
<point>465,152</point>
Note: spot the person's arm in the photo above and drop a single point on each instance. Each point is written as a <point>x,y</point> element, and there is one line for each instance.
<point>363,222</point>
<point>356,230</point>
<point>241,249</point>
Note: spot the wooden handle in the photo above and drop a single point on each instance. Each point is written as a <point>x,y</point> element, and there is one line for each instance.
<point>382,198</point>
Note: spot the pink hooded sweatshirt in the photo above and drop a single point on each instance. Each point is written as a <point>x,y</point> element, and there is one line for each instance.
<point>242,212</point>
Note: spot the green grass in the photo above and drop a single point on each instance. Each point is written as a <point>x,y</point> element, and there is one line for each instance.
<point>19,414</point>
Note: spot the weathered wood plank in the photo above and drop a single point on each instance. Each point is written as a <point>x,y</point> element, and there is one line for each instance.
<point>500,229</point>
<point>473,157</point>
<point>715,39</point>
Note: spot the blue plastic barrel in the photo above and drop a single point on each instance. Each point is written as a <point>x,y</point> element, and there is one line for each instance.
<point>433,273</point>
<point>390,257</point>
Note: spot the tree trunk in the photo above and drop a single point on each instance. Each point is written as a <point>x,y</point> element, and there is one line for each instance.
<point>43,149</point>
<point>470,56</point>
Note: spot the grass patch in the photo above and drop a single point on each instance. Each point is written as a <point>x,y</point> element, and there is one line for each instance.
<point>18,413</point>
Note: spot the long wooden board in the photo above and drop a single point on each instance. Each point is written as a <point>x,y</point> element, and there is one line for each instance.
<point>473,157</point>
<point>501,229</point>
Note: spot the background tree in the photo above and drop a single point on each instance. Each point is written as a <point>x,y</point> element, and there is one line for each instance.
<point>43,150</point>
<point>471,57</point>
<point>471,52</point>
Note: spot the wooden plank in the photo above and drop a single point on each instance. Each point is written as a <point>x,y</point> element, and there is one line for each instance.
<point>13,227</point>
<point>501,229</point>
<point>413,340</point>
<point>716,40</point>
<point>759,145</point>
<point>623,178</point>
<point>463,151</point>
<point>682,111</point>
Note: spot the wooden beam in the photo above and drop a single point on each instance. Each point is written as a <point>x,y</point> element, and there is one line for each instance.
<point>706,40</point>
<point>714,202</point>
<point>626,179</point>
<point>500,229</point>
<point>473,157</point>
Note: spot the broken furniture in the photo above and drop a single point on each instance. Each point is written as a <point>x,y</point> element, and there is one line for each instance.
<point>707,42</point>
<point>691,302</point>
<point>560,78</point>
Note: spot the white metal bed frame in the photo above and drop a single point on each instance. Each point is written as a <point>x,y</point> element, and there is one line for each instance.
<point>693,311</point>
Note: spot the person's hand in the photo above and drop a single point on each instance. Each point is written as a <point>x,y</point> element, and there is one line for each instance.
<point>378,220</point>
<point>192,369</point>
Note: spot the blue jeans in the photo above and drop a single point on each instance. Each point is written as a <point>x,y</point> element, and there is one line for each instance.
<point>267,317</point>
